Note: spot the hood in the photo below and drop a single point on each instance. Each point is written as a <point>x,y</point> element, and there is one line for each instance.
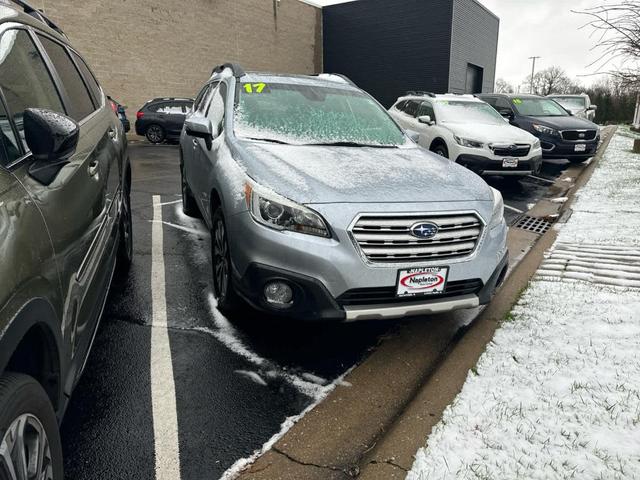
<point>564,123</point>
<point>490,133</point>
<point>325,174</point>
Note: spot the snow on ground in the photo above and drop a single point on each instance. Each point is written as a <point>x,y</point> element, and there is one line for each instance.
<point>557,392</point>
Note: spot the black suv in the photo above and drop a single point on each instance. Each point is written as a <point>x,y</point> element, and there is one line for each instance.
<point>561,134</point>
<point>162,119</point>
<point>65,223</point>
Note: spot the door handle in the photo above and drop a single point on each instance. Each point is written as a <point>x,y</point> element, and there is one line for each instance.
<point>195,143</point>
<point>93,167</point>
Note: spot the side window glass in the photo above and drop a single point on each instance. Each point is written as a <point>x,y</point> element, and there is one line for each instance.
<point>411,108</point>
<point>206,103</point>
<point>89,78</point>
<point>24,78</point>
<point>216,107</point>
<point>197,104</point>
<point>427,109</point>
<point>80,103</point>
<point>170,109</point>
<point>9,148</point>
<point>502,103</point>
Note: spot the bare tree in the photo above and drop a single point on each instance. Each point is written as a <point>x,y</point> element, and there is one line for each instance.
<point>618,28</point>
<point>502,86</point>
<point>552,80</point>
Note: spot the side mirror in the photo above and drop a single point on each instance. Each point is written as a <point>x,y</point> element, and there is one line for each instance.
<point>426,119</point>
<point>593,108</point>
<point>52,139</point>
<point>200,127</point>
<point>413,135</point>
<point>506,113</point>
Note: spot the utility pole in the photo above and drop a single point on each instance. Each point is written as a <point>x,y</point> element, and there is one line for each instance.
<point>533,70</point>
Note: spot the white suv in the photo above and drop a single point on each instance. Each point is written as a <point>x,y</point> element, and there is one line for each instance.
<point>470,132</point>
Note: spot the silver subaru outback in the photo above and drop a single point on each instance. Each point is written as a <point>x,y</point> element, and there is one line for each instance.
<point>322,208</point>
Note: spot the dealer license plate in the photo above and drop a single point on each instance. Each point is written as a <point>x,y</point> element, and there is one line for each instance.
<point>580,148</point>
<point>422,281</point>
<point>509,162</point>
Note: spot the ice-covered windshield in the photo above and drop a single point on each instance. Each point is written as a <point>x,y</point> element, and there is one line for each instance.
<point>307,114</point>
<point>459,111</point>
<point>572,103</point>
<point>538,107</point>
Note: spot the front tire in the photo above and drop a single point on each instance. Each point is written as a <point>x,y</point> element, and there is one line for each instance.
<point>440,149</point>
<point>221,264</point>
<point>29,438</point>
<point>155,134</point>
<point>189,205</point>
<point>125,247</point>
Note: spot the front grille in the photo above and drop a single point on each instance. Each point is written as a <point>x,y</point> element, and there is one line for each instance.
<point>389,239</point>
<point>575,135</point>
<point>518,150</point>
<point>387,295</point>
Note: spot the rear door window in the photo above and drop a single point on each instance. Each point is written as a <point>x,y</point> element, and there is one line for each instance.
<point>25,79</point>
<point>411,108</point>
<point>171,108</point>
<point>80,102</point>
<point>89,78</point>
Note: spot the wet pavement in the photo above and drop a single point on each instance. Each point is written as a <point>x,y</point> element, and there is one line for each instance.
<point>236,379</point>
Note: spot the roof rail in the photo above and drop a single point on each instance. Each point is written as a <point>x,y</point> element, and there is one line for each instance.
<point>38,15</point>
<point>421,93</point>
<point>237,70</point>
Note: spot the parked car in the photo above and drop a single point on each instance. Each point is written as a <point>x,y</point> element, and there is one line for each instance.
<point>561,134</point>
<point>577,105</point>
<point>469,132</point>
<point>65,221</point>
<point>321,207</point>
<point>162,119</point>
<point>120,111</point>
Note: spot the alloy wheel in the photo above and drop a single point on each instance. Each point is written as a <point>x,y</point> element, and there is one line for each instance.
<point>220,260</point>
<point>154,134</point>
<point>25,453</point>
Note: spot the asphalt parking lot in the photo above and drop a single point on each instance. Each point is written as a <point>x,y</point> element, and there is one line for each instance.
<point>235,380</point>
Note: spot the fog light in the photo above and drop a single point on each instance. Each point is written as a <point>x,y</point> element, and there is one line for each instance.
<point>278,293</point>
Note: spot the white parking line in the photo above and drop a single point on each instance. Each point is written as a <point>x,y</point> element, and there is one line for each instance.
<point>163,390</point>
<point>513,209</point>
<point>550,182</point>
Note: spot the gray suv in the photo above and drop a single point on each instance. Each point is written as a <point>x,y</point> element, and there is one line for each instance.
<point>321,207</point>
<point>64,224</point>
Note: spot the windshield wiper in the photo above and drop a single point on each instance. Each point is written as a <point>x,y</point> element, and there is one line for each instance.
<point>350,144</point>
<point>270,140</point>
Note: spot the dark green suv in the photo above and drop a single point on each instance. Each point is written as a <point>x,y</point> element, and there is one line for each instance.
<point>65,223</point>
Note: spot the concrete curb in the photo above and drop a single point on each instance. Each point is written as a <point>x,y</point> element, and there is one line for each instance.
<point>372,426</point>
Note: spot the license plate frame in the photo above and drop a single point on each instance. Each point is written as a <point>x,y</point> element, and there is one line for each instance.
<point>510,163</point>
<point>421,281</point>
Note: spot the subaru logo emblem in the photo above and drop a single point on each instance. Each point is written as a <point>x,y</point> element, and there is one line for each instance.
<point>582,135</point>
<point>513,147</point>
<point>424,230</point>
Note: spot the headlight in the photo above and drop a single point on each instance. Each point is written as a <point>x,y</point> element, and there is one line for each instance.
<point>465,142</point>
<point>275,211</point>
<point>535,145</point>
<point>544,129</point>
<point>498,209</point>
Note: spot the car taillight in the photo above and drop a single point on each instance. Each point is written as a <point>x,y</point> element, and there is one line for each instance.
<point>114,107</point>
<point>139,115</point>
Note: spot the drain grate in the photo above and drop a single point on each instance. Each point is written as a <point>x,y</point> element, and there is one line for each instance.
<point>532,224</point>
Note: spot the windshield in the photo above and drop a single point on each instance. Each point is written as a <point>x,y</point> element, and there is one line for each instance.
<point>572,103</point>
<point>311,115</point>
<point>453,111</point>
<point>538,107</point>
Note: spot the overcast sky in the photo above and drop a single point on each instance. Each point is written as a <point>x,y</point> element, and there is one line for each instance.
<point>545,28</point>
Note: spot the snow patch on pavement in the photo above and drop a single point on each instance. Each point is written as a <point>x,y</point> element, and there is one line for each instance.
<point>557,392</point>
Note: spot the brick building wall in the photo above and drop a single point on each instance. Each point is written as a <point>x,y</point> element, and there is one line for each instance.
<point>140,49</point>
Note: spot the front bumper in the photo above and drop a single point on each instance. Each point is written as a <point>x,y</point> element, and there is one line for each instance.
<point>483,165</point>
<point>555,147</point>
<point>327,274</point>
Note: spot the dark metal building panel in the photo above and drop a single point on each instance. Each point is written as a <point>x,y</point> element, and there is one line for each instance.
<point>474,41</point>
<point>390,46</point>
